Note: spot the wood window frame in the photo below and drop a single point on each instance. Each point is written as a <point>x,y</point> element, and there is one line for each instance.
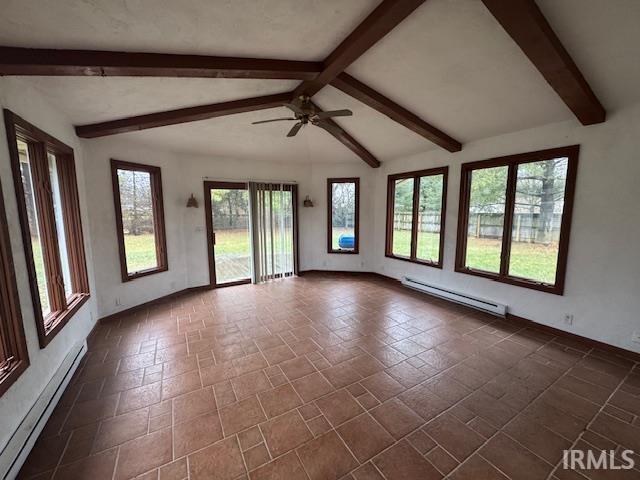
<point>512,161</point>
<point>40,144</point>
<point>356,245</point>
<point>158,218</point>
<point>14,358</point>
<point>391,179</point>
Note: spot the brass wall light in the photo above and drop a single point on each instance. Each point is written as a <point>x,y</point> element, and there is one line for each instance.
<point>192,202</point>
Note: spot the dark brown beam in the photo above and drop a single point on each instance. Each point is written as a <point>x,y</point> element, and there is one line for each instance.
<point>525,23</point>
<point>33,61</point>
<point>382,104</point>
<point>348,141</point>
<point>181,115</point>
<point>380,22</point>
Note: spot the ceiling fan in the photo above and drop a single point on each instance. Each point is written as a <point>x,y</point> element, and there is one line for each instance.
<point>305,112</point>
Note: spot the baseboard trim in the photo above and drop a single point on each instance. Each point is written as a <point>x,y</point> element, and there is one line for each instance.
<point>619,351</point>
<point>22,440</point>
<point>156,301</point>
<point>525,322</point>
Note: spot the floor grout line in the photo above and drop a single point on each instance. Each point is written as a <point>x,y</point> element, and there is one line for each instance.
<point>604,404</point>
<point>315,316</point>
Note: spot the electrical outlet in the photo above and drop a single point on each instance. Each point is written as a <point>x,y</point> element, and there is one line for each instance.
<point>568,319</point>
<point>635,336</point>
<point>118,302</point>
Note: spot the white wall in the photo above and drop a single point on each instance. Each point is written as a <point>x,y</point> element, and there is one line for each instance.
<point>16,401</point>
<point>603,271</point>
<point>185,227</point>
<point>602,285</point>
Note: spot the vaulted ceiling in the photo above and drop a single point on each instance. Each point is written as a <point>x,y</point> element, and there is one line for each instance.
<point>449,62</point>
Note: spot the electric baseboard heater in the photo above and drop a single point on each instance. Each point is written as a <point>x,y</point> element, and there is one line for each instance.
<point>24,437</point>
<point>482,304</point>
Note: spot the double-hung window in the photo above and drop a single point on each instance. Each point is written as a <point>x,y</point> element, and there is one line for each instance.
<point>13,350</point>
<point>48,204</point>
<point>137,194</point>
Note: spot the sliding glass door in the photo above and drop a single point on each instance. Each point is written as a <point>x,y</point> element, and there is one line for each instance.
<point>229,240</point>
<point>274,232</point>
<point>251,233</point>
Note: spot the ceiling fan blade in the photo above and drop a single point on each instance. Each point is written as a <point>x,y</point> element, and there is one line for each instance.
<point>274,120</point>
<point>294,129</point>
<point>334,113</point>
<point>294,108</point>
<point>329,127</point>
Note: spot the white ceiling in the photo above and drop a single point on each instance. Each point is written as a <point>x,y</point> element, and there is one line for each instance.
<point>450,62</point>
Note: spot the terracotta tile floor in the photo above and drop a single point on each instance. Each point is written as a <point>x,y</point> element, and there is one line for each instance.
<point>325,377</point>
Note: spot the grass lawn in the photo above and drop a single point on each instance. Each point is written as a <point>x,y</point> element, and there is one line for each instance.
<point>232,242</point>
<point>534,261</point>
<point>528,260</point>
<point>140,251</point>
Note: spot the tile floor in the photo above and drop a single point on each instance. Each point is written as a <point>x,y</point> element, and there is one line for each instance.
<point>326,377</point>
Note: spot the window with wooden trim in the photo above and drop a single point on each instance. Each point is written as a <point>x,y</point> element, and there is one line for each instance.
<point>137,194</point>
<point>515,217</point>
<point>343,215</point>
<point>416,204</point>
<point>14,358</point>
<point>49,208</point>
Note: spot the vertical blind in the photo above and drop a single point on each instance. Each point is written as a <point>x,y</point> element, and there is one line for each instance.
<point>272,230</point>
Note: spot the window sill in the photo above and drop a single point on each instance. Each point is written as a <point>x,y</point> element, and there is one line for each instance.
<point>127,277</point>
<point>8,377</point>
<point>344,252</point>
<point>417,261</point>
<point>515,281</point>
<point>55,322</point>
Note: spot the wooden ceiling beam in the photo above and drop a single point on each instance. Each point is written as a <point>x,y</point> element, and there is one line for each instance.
<point>36,61</point>
<point>525,23</point>
<point>380,22</point>
<point>181,115</point>
<point>382,104</point>
<point>348,141</point>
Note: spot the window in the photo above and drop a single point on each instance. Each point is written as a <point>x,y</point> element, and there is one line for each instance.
<point>137,193</point>
<point>416,204</point>
<point>49,209</point>
<point>515,215</point>
<point>343,196</point>
<point>13,350</point>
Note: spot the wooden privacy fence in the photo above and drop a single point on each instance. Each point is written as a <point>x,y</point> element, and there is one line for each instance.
<point>241,222</point>
<point>231,222</point>
<point>525,226</point>
<point>427,222</point>
<point>485,225</point>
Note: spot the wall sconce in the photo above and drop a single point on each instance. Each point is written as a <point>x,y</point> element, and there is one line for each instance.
<point>307,202</point>
<point>192,202</point>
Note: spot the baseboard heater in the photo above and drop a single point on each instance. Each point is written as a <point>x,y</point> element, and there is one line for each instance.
<point>21,442</point>
<point>488,306</point>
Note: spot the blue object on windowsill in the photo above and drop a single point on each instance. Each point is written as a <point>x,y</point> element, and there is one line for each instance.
<point>346,242</point>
